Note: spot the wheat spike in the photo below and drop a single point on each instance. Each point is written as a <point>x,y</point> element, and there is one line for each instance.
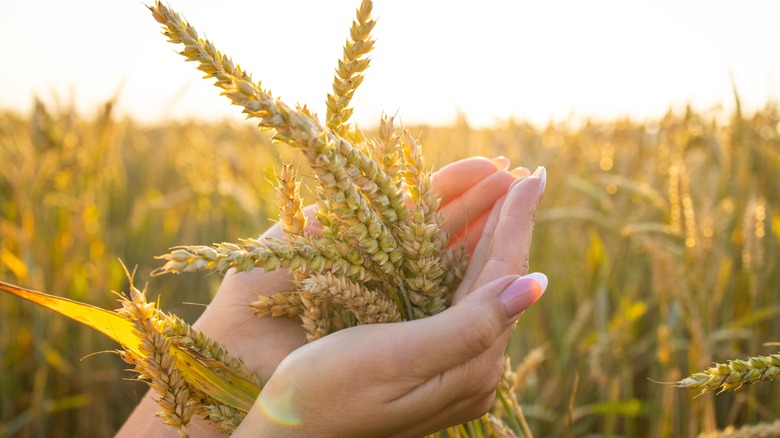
<point>735,374</point>
<point>288,200</point>
<point>225,418</point>
<point>349,71</point>
<point>369,307</point>
<point>270,254</point>
<point>176,397</point>
<point>315,316</point>
<point>388,149</point>
<point>278,305</point>
<point>422,237</point>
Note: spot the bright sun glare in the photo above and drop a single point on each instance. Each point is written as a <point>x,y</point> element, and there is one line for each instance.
<point>433,59</point>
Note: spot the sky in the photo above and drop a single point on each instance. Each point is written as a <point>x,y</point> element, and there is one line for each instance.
<point>489,59</point>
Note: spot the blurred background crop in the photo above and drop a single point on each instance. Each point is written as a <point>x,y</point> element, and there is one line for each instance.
<point>659,229</point>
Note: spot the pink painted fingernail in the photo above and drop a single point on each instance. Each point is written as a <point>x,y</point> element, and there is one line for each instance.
<point>501,162</point>
<point>522,293</point>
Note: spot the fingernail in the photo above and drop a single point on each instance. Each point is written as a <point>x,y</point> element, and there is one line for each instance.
<point>541,173</point>
<point>520,172</point>
<point>522,293</point>
<point>501,162</point>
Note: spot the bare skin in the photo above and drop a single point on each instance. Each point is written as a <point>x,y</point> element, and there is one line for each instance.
<point>418,384</point>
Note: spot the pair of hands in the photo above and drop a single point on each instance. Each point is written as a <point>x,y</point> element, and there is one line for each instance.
<point>401,379</point>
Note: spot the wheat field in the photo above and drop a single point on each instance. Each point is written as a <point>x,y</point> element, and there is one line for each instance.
<point>660,239</point>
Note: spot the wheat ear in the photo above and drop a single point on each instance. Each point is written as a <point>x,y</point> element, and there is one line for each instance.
<point>348,75</point>
<point>288,200</point>
<point>735,374</point>
<point>158,366</point>
<point>224,417</point>
<point>369,307</point>
<point>270,254</point>
<point>422,237</point>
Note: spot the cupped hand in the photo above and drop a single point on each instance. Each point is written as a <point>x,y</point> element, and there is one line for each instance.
<point>469,189</point>
<point>416,377</point>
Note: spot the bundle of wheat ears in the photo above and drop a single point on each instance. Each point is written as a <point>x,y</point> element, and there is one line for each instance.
<point>381,255</point>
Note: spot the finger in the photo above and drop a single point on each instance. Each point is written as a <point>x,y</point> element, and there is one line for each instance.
<point>520,172</point>
<point>459,412</point>
<point>452,180</point>
<point>506,238</point>
<point>470,237</point>
<point>474,202</point>
<point>510,246</point>
<point>470,327</point>
<point>461,334</point>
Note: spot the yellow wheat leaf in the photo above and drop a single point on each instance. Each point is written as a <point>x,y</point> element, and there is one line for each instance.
<point>231,390</point>
<point>104,321</point>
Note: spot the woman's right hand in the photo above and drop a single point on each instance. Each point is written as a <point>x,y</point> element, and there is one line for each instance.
<point>416,377</point>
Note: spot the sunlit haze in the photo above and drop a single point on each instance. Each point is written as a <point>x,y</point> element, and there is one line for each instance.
<point>489,60</point>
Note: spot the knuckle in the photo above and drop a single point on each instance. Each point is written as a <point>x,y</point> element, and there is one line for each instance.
<point>480,334</point>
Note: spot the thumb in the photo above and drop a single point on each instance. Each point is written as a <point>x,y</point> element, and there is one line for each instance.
<point>475,323</point>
